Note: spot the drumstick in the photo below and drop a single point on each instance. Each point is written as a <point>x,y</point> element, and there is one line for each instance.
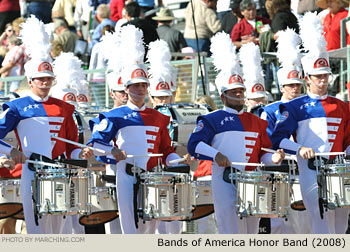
<point>79,144</point>
<point>287,157</point>
<point>44,163</point>
<point>247,164</point>
<point>145,155</point>
<point>179,160</point>
<point>329,153</point>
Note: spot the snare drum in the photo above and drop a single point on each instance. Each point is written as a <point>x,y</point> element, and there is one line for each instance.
<point>104,204</point>
<point>296,199</point>
<point>203,200</point>
<point>62,191</point>
<point>10,197</point>
<point>262,194</point>
<point>335,185</point>
<point>165,196</point>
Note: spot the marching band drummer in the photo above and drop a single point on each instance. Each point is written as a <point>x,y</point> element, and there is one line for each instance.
<point>230,134</point>
<point>138,131</point>
<point>160,93</point>
<point>35,119</point>
<point>320,124</point>
<point>290,84</point>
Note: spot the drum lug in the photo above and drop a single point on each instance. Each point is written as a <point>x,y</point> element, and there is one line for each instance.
<point>175,123</point>
<point>17,191</point>
<point>337,199</point>
<point>249,209</point>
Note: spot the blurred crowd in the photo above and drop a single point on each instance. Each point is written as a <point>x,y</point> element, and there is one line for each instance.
<point>78,25</point>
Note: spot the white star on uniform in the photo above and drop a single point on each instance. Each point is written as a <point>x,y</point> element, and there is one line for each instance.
<point>231,118</point>
<point>276,112</point>
<point>36,105</point>
<point>30,106</point>
<point>222,122</point>
<point>134,114</point>
<point>129,115</point>
<point>125,117</point>
<point>313,104</point>
<point>25,109</point>
<point>226,119</point>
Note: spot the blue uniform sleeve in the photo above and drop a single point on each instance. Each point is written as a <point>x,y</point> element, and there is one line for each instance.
<point>103,129</point>
<point>286,125</point>
<point>204,132</point>
<point>9,120</point>
<point>103,159</point>
<point>268,115</point>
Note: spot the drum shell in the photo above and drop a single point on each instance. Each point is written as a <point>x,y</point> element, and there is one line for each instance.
<point>10,197</point>
<point>104,206</point>
<point>335,185</point>
<point>202,199</point>
<point>62,191</point>
<point>296,198</point>
<point>163,199</point>
<point>262,194</point>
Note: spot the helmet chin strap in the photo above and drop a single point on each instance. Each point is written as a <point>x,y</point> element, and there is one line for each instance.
<point>234,98</point>
<point>43,87</point>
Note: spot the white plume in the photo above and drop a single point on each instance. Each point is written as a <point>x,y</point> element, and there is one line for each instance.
<point>35,38</point>
<point>311,34</point>
<point>132,48</point>
<point>251,63</point>
<point>68,71</point>
<point>159,57</point>
<point>224,54</point>
<point>288,48</point>
<point>111,50</point>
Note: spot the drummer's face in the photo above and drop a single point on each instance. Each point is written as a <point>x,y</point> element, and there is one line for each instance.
<point>236,93</point>
<point>162,99</point>
<point>318,83</point>
<point>137,92</point>
<point>41,86</point>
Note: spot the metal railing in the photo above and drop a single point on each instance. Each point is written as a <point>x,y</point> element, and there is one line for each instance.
<point>189,81</point>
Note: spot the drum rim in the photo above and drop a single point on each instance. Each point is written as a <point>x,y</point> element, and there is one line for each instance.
<point>11,215</point>
<point>98,212</point>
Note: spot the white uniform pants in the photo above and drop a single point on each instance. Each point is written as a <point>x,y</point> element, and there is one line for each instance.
<point>225,197</point>
<point>169,227</point>
<point>297,223</point>
<point>125,190</point>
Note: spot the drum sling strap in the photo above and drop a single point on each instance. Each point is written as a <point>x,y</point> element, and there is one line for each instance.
<point>130,170</point>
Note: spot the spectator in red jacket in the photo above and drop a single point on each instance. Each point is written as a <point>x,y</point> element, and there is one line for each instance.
<point>248,29</point>
<point>116,7</point>
<point>331,22</point>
